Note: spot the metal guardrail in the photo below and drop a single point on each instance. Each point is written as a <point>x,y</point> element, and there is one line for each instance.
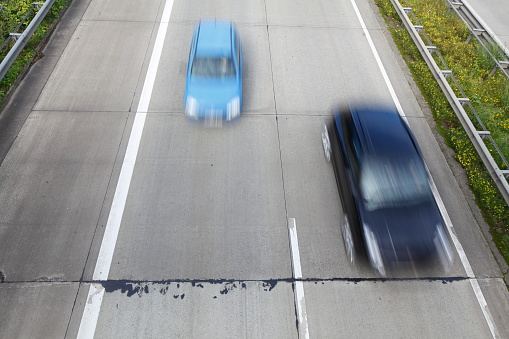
<point>15,34</point>
<point>458,104</point>
<point>23,38</point>
<point>464,7</point>
<point>484,36</point>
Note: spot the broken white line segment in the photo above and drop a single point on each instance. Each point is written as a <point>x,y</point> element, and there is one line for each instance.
<point>300,301</point>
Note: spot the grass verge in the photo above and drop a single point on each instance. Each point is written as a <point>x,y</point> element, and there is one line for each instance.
<point>13,13</point>
<point>490,95</point>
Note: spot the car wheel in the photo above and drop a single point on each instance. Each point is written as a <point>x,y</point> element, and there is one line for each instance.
<point>348,240</point>
<point>326,143</point>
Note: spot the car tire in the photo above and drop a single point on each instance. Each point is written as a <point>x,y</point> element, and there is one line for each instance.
<point>326,143</point>
<point>346,231</point>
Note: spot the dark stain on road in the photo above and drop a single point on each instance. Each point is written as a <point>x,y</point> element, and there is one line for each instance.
<point>128,288</point>
<point>449,280</point>
<point>268,285</point>
<point>228,287</point>
<point>139,288</point>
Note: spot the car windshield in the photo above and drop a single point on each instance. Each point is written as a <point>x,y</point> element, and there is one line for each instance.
<point>213,67</point>
<point>386,184</point>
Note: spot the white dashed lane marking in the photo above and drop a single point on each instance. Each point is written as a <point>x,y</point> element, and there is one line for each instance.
<point>300,301</point>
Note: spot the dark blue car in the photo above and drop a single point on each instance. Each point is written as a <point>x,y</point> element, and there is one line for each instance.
<point>214,73</point>
<point>390,213</point>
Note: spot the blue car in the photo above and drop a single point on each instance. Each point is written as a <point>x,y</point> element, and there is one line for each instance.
<point>214,73</point>
<point>390,212</point>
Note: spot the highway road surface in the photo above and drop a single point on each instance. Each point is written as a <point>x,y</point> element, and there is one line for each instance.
<point>119,218</point>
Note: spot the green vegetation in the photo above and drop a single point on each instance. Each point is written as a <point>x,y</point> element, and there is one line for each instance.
<point>469,62</point>
<point>489,94</point>
<point>13,12</point>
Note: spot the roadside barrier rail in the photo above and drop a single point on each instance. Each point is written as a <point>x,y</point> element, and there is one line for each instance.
<point>481,32</point>
<point>23,38</point>
<point>460,104</point>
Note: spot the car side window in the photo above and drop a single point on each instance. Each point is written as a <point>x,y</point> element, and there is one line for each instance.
<point>237,49</point>
<point>190,52</point>
<point>235,41</point>
<point>353,148</point>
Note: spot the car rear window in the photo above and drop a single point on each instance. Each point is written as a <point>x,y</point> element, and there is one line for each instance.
<point>213,67</point>
<point>386,184</point>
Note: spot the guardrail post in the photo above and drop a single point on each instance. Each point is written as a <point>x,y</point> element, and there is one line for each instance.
<point>505,173</point>
<point>483,134</point>
<point>446,73</point>
<point>431,49</point>
<point>463,101</point>
<point>477,32</point>
<point>502,64</point>
<point>453,6</point>
<point>419,28</point>
<point>15,36</point>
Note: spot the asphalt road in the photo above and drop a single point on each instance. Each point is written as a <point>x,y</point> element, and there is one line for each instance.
<point>207,235</point>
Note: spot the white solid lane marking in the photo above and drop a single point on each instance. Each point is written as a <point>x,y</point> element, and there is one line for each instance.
<point>96,291</point>
<point>378,60</point>
<point>466,264</point>
<point>300,300</point>
<point>91,311</point>
<point>102,267</point>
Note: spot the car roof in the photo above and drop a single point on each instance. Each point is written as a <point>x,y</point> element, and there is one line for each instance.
<point>214,38</point>
<point>383,133</point>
